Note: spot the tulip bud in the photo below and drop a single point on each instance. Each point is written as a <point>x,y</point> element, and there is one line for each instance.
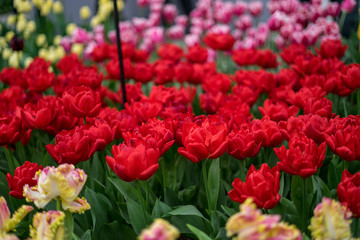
<point>58,7</point>
<point>85,12</point>
<point>160,229</point>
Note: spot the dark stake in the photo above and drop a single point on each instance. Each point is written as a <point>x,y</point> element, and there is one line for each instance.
<point>118,41</point>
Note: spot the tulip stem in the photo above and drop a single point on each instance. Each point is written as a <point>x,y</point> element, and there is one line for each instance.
<point>58,204</point>
<point>206,182</point>
<point>342,20</point>
<point>346,165</point>
<point>355,227</point>
<point>344,105</point>
<point>242,170</point>
<point>163,174</point>
<point>84,120</point>
<point>147,194</point>
<point>304,210</point>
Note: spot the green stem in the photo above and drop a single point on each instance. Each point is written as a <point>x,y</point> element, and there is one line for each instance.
<point>163,174</point>
<point>344,105</point>
<point>84,120</point>
<point>206,182</point>
<point>242,170</point>
<point>147,194</point>
<point>355,229</point>
<point>346,165</point>
<point>58,204</point>
<point>342,20</point>
<point>303,214</point>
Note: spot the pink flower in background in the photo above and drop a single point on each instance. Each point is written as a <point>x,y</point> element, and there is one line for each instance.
<point>280,42</point>
<point>191,40</point>
<point>89,49</point>
<point>156,7</point>
<point>176,32</point>
<point>170,12</point>
<point>220,29</point>
<point>182,20</point>
<point>239,7</point>
<point>139,24</point>
<point>255,8</point>
<point>243,22</point>
<point>142,3</point>
<point>196,31</point>
<point>348,5</point>
<point>80,35</point>
<point>154,19</point>
<point>66,43</point>
<point>333,9</point>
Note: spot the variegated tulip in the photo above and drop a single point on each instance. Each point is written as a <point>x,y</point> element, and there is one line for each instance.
<point>64,182</point>
<point>331,220</point>
<point>48,226</point>
<point>249,223</point>
<point>160,230</point>
<point>6,223</point>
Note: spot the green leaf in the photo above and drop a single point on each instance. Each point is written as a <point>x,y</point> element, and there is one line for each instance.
<point>334,176</point>
<point>198,233</point>
<point>228,211</point>
<point>86,235</point>
<point>214,183</point>
<point>136,215</point>
<point>160,208</point>
<point>302,194</point>
<point>187,210</point>
<point>321,188</point>
<point>100,206</point>
<point>121,231</point>
<point>125,188</point>
<point>69,225</point>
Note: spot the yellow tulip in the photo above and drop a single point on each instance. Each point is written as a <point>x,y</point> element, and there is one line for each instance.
<point>6,53</point>
<point>28,60</point>
<point>9,35</point>
<point>21,25</point>
<point>77,48</point>
<point>85,12</point>
<point>11,20</point>
<point>31,26</point>
<point>70,28</point>
<point>14,60</point>
<point>38,3</point>
<point>57,40</point>
<point>58,7</point>
<point>41,40</point>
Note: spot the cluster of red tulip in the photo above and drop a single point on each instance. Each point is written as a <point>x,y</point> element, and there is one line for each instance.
<point>74,106</point>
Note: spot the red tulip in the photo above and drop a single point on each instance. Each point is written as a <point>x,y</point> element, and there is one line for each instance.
<point>332,48</point>
<point>267,132</point>
<point>217,83</point>
<point>144,110</point>
<point>143,72</point>
<point>242,144</point>
<point>37,75</point>
<point>197,54</point>
<point>303,157</point>
<point>261,185</point>
<point>11,129</point>
<point>278,111</point>
<point>345,141</point>
<point>134,162</point>
<point>41,115</point>
<point>24,175</point>
<point>223,42</point>
<point>319,106</point>
<point>348,192</point>
<point>82,101</point>
<point>170,52</point>
<point>208,141</point>
<point>72,146</point>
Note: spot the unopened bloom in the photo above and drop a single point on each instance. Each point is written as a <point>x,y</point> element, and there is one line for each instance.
<point>85,12</point>
<point>48,226</point>
<point>330,221</point>
<point>65,182</point>
<point>160,230</point>
<point>6,223</point>
<point>250,224</point>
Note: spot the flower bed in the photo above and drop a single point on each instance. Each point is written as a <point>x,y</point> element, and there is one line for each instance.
<point>235,132</point>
